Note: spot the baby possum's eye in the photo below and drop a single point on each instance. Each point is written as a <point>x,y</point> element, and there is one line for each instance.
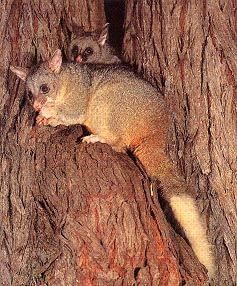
<point>75,50</point>
<point>44,88</point>
<point>88,51</point>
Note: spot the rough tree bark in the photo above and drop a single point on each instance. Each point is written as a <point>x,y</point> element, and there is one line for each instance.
<point>188,49</point>
<point>73,214</point>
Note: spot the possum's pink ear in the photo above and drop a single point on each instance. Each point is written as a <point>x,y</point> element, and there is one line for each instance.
<point>55,61</point>
<point>104,34</point>
<point>20,72</point>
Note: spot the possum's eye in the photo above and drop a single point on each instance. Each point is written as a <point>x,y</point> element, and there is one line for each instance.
<point>44,88</point>
<point>75,50</point>
<point>88,51</point>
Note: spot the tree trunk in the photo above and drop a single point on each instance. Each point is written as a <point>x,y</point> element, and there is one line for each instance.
<point>188,50</point>
<point>76,214</point>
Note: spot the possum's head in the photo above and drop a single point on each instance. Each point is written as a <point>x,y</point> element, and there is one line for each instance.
<point>41,81</point>
<point>91,47</point>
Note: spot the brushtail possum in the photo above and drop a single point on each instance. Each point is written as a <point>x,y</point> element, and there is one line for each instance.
<point>91,47</point>
<point>125,111</point>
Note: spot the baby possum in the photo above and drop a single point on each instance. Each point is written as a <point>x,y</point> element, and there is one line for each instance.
<point>92,47</point>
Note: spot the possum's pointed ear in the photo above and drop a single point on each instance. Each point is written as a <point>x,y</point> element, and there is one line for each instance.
<point>55,61</point>
<point>77,31</point>
<point>104,34</point>
<point>20,72</point>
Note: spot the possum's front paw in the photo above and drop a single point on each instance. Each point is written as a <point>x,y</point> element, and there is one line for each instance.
<point>41,120</point>
<point>93,138</point>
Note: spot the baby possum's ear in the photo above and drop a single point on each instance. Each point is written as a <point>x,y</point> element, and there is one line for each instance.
<point>77,31</point>
<point>103,35</point>
<point>20,72</point>
<point>55,62</point>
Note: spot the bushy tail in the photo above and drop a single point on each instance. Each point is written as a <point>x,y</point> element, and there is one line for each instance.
<point>186,212</point>
<point>174,190</point>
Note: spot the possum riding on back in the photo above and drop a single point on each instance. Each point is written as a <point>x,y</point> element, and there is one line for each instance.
<point>125,111</point>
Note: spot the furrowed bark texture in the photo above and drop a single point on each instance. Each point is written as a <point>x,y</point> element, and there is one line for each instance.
<point>72,214</point>
<point>189,47</point>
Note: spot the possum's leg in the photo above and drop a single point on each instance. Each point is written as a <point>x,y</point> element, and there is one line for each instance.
<point>116,146</point>
<point>93,138</point>
<point>174,190</point>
